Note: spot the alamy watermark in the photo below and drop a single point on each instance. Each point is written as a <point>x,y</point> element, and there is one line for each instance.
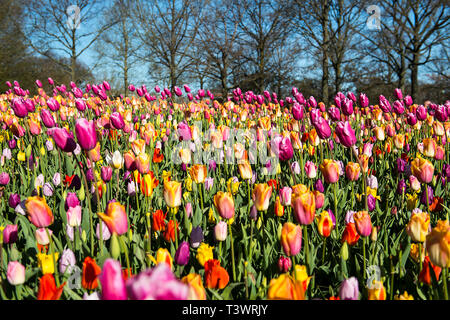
<point>373,21</point>
<point>73,17</point>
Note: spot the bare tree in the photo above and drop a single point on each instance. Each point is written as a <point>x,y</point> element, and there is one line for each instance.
<point>167,30</point>
<point>216,53</point>
<point>262,28</point>
<point>343,25</point>
<point>118,47</point>
<point>312,20</point>
<point>67,27</point>
<point>410,30</point>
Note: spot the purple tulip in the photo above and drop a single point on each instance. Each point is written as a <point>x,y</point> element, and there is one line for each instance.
<point>12,144</point>
<point>312,102</point>
<point>13,200</point>
<point>71,201</point>
<point>349,289</point>
<point>423,197</point>
<point>196,237</point>
<point>80,105</point>
<point>184,131</point>
<point>106,234</point>
<point>177,91</point>
<point>112,281</point>
<point>335,113</point>
<point>318,185</point>
<point>411,119</point>
<point>401,187</point>
<point>282,146</point>
<point>398,107</point>
<point>10,234</point>
<point>209,182</point>
<point>182,254</point>
<point>384,104</point>
<point>106,86</point>
<point>441,113</point>
<point>50,81</point>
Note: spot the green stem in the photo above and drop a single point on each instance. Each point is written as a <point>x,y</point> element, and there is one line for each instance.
<point>444,280</point>
<point>55,268</point>
<point>232,252</point>
<point>175,223</point>
<point>305,228</point>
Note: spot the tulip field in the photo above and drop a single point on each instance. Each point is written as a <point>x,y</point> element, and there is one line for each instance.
<point>172,195</point>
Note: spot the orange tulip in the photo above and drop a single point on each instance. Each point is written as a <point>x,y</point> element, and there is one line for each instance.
<point>350,235</point>
<point>261,196</point>
<point>94,154</point>
<point>429,147</point>
<point>224,204</point>
<point>330,171</point>
<point>417,227</point>
<point>198,173</point>
<point>438,244</point>
<point>352,171</point>
<point>48,289</point>
<point>172,193</point>
<point>291,239</point>
<point>143,163</point>
<point>39,213</point>
<point>216,277</point>
<point>377,291</point>
<point>279,209</point>
<point>425,274</point>
<point>148,183</point>
<point>91,271</point>
<point>304,206</point>
<point>158,223</point>
<point>245,170</point>
<point>196,288</point>
<point>138,146</point>
<point>422,169</point>
<point>325,224</point>
<point>285,287</point>
<point>399,141</point>
<point>115,218</point>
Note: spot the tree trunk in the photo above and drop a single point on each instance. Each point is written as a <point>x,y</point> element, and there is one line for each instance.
<point>415,76</point>
<point>73,58</point>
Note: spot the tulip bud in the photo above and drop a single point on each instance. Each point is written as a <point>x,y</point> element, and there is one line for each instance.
<point>344,251</point>
<point>220,231</point>
<point>115,247</point>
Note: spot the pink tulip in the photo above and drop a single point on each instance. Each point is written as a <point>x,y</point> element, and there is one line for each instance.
<point>158,283</point>
<point>15,273</point>
<point>74,216</point>
<point>111,279</point>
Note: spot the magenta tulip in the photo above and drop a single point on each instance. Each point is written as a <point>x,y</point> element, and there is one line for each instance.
<point>345,134</point>
<point>86,134</point>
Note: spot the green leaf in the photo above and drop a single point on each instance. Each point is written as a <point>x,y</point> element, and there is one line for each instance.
<point>72,294</point>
